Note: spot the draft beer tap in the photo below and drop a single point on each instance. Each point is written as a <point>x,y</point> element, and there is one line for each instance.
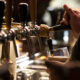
<point>2,7</point>
<point>9,42</point>
<point>4,73</point>
<point>33,14</point>
<point>23,15</point>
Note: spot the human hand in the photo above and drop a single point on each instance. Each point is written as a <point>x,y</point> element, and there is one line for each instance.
<point>63,71</point>
<point>44,30</point>
<point>72,17</point>
<point>69,70</point>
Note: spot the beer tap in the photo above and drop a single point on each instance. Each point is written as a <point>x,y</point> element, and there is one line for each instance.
<point>8,12</point>
<point>33,14</point>
<point>9,43</point>
<point>23,15</point>
<point>2,7</point>
<point>8,16</point>
<point>4,73</point>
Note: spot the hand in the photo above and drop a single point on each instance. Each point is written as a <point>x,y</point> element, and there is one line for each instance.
<point>44,30</point>
<point>64,71</point>
<point>72,17</point>
<point>69,70</point>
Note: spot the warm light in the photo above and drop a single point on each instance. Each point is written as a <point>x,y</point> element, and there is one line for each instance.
<point>54,42</point>
<point>66,36</point>
<point>43,58</point>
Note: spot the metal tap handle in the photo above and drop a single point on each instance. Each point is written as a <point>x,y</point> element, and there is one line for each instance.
<point>23,13</point>
<point>16,53</point>
<point>2,7</point>
<point>11,36</point>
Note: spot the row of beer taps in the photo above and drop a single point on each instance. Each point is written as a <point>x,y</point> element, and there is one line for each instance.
<point>9,34</point>
<point>20,32</point>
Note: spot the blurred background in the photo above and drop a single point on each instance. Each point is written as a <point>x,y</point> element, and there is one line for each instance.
<point>31,48</point>
<point>50,12</point>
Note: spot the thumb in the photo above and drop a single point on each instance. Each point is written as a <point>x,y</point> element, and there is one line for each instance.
<point>68,10</point>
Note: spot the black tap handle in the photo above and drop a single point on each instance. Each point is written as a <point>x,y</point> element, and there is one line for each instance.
<point>33,11</point>
<point>23,12</point>
<point>2,7</point>
<point>49,41</point>
<point>61,27</point>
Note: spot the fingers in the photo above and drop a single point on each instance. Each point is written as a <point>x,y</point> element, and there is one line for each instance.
<point>69,13</point>
<point>44,30</point>
<point>68,10</point>
<point>65,19</point>
<point>44,27</point>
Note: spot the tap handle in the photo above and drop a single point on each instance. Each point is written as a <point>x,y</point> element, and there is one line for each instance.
<point>8,13</point>
<point>2,7</point>
<point>23,13</point>
<point>33,11</point>
<point>49,41</point>
<point>60,27</point>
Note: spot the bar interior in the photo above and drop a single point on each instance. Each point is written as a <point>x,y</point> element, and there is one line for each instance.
<point>26,47</point>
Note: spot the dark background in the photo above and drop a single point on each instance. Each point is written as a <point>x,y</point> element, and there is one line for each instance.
<point>41,7</point>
